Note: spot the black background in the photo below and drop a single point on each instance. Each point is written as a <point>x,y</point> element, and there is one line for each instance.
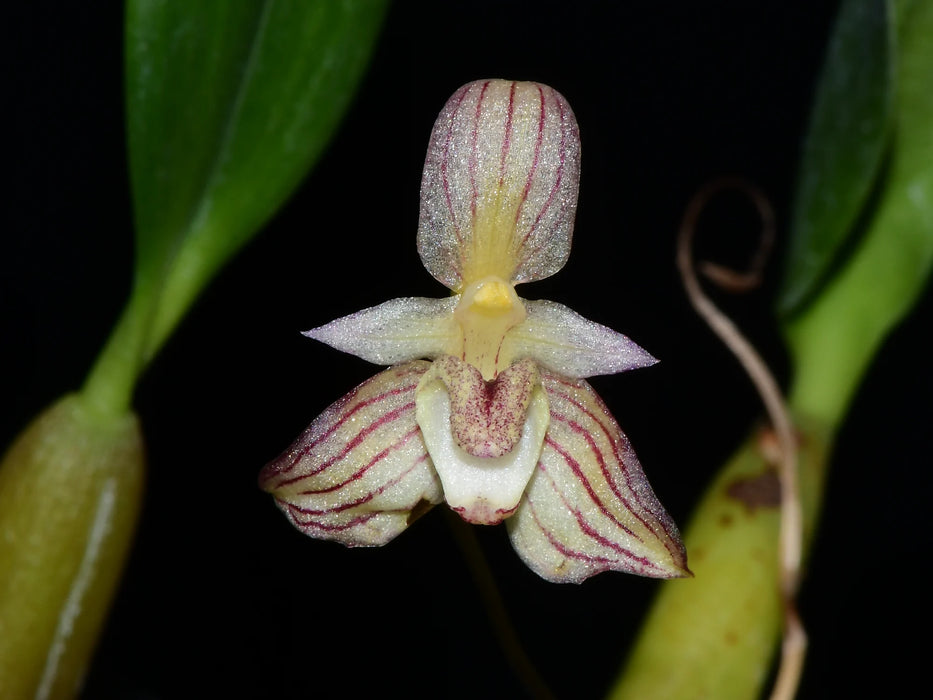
<point>221,596</point>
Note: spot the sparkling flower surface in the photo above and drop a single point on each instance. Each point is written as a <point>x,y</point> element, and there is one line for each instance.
<point>484,404</point>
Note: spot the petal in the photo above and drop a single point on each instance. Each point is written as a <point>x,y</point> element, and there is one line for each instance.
<point>359,474</point>
<point>565,342</point>
<point>589,507</point>
<point>484,441</point>
<point>396,331</point>
<point>499,190</point>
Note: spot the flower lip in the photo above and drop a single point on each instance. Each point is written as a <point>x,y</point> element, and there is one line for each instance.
<point>486,419</point>
<point>484,440</point>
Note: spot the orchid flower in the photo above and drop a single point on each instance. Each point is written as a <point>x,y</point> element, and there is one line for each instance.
<point>485,404</point>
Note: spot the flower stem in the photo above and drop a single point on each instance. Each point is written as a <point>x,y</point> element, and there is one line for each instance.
<point>496,609</point>
<point>70,494</point>
<point>714,635</point>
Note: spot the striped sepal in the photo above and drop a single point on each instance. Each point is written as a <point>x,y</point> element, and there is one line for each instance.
<point>360,469</point>
<point>499,190</point>
<point>589,507</point>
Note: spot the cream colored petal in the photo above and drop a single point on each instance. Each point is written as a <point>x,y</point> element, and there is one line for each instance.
<point>397,331</point>
<point>499,190</point>
<point>589,507</point>
<point>563,341</point>
<point>360,473</point>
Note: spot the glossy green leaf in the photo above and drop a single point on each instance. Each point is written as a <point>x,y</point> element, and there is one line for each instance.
<point>834,339</point>
<point>228,106</point>
<point>844,148</point>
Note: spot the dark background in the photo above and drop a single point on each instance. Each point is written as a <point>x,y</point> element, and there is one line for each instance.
<point>221,596</point>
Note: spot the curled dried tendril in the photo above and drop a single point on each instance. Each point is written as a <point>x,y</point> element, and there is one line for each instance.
<point>791,532</point>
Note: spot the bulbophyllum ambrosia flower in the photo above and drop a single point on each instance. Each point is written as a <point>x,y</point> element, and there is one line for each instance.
<point>484,404</point>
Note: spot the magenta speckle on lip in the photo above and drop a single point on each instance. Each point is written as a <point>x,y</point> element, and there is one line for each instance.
<point>486,417</point>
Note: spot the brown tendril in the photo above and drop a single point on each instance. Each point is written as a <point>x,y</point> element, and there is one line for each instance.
<point>727,278</point>
<point>793,648</point>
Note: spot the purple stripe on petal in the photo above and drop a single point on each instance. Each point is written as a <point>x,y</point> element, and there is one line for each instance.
<point>590,560</point>
<point>361,500</point>
<point>642,563</point>
<point>619,466</point>
<point>336,486</point>
<point>361,467</point>
<point>536,247</point>
<point>347,447</point>
<point>542,114</point>
<point>334,418</point>
<point>558,176</point>
<point>500,185</point>
<point>302,523</point>
<point>474,155</point>
<point>456,102</point>
<point>574,466</point>
<point>507,141</point>
<point>597,564</point>
<point>588,507</point>
<point>648,511</point>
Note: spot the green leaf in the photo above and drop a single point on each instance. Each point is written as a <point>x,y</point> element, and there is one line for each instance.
<point>835,337</point>
<point>228,106</point>
<point>844,148</point>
